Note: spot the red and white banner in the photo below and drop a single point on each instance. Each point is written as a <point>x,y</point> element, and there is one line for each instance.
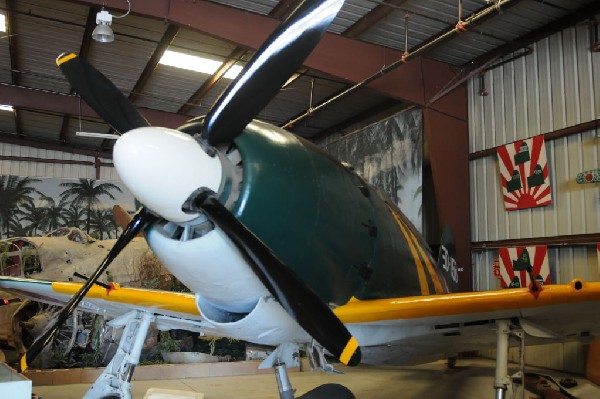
<point>515,261</point>
<point>524,174</point>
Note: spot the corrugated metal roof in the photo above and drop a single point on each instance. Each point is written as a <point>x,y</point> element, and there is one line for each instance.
<point>46,28</point>
<point>7,122</point>
<point>263,7</point>
<point>169,88</point>
<point>40,37</point>
<point>5,75</point>
<point>40,124</point>
<point>85,125</point>
<point>351,12</point>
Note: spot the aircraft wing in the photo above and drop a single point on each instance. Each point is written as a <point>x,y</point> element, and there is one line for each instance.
<point>266,324</point>
<point>413,330</point>
<point>176,309</point>
<point>408,330</point>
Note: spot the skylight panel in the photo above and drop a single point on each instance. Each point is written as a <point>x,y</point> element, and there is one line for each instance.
<point>197,64</point>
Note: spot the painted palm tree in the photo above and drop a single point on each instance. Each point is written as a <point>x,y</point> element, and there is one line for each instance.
<point>16,228</point>
<point>100,223</point>
<point>113,226</point>
<point>53,213</point>
<point>73,216</point>
<point>87,193</point>
<point>31,214</point>
<point>14,190</point>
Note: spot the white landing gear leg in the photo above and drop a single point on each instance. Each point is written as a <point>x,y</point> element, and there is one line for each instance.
<point>283,382</point>
<point>115,381</point>
<point>502,379</point>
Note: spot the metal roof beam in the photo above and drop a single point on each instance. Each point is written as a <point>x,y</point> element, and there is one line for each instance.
<point>48,101</point>
<point>53,146</point>
<point>334,55</point>
<point>281,10</point>
<point>284,8</point>
<point>209,83</point>
<point>12,50</point>
<point>376,111</point>
<point>160,49</point>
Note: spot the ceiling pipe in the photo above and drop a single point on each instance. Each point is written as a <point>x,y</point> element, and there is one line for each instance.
<point>473,19</point>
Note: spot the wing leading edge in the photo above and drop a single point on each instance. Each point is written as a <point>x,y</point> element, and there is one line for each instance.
<point>113,302</point>
<point>415,329</point>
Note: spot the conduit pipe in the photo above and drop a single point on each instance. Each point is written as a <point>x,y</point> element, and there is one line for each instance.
<point>418,50</point>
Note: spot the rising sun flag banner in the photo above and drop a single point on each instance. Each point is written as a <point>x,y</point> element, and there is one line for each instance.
<point>516,261</point>
<point>524,174</point>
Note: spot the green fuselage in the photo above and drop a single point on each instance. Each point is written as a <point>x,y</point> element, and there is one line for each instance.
<point>338,233</point>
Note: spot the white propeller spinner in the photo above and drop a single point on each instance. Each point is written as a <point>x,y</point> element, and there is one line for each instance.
<point>162,167</point>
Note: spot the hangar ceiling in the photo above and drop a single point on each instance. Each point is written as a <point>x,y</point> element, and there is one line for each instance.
<point>355,72</point>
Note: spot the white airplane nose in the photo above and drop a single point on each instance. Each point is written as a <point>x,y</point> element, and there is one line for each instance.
<point>162,167</point>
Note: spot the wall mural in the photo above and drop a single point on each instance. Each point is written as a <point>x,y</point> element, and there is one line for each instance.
<point>389,155</point>
<point>37,206</point>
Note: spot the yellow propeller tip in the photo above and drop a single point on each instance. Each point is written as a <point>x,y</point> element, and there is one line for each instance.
<point>64,57</point>
<point>24,363</point>
<point>351,353</point>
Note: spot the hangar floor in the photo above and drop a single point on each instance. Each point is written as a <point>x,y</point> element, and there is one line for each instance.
<point>472,379</point>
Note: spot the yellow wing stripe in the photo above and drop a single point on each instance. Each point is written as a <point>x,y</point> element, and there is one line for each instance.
<point>416,307</point>
<point>430,268</point>
<point>164,300</point>
<point>64,58</point>
<point>349,350</point>
<point>420,271</point>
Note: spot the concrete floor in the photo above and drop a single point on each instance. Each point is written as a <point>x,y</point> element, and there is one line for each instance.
<point>472,379</point>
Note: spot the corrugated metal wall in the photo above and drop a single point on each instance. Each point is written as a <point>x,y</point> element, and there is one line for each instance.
<point>555,87</point>
<point>58,170</point>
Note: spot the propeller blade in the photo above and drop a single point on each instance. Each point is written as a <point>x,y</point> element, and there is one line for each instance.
<point>140,220</point>
<point>274,62</point>
<point>100,93</point>
<point>298,300</point>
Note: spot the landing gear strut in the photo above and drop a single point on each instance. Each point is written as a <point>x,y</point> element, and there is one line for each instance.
<point>503,333</point>
<point>115,381</point>
<point>325,391</point>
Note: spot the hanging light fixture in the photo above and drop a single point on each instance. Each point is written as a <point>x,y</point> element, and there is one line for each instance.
<point>103,32</point>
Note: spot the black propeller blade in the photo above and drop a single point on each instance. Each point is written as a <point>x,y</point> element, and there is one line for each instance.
<point>272,65</point>
<point>141,219</point>
<point>100,94</point>
<point>299,301</point>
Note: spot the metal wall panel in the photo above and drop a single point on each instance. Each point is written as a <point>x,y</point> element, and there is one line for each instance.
<point>58,170</point>
<point>557,86</point>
